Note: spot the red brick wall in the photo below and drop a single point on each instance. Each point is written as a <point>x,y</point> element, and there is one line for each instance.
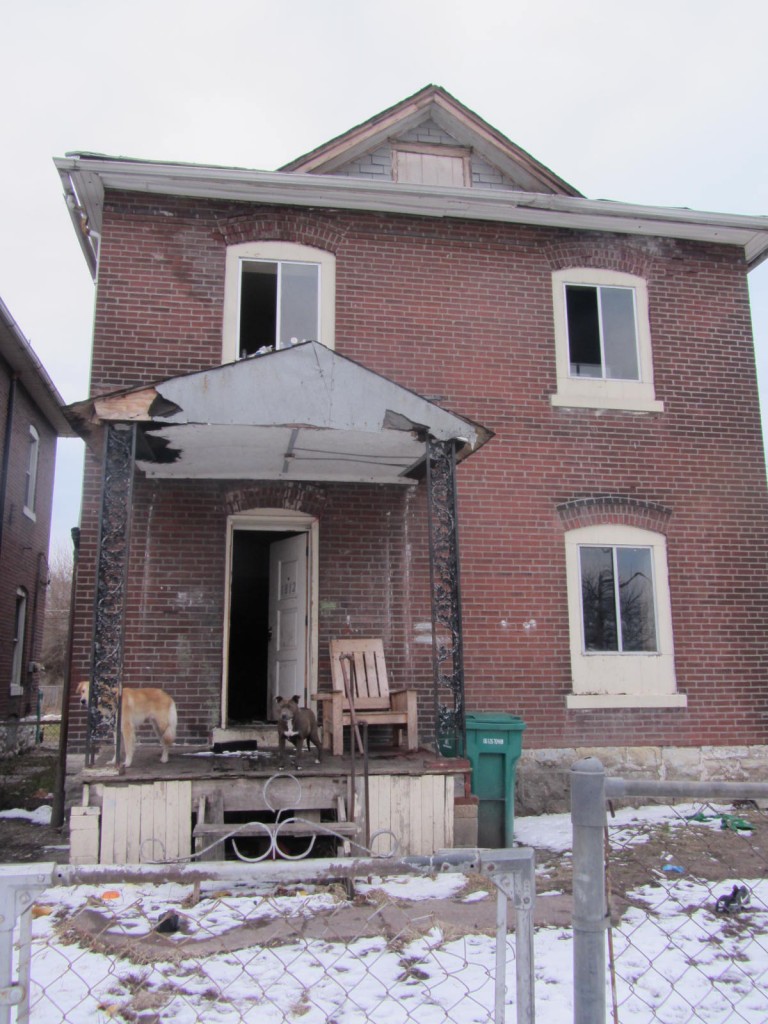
<point>23,559</point>
<point>463,311</point>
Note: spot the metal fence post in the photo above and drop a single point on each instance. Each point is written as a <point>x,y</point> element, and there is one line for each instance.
<point>588,819</point>
<point>513,873</point>
<point>19,884</point>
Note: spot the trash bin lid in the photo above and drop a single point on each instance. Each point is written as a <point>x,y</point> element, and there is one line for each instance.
<point>494,720</point>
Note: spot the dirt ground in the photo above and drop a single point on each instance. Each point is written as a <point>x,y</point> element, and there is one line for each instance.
<point>717,851</point>
<point>26,783</point>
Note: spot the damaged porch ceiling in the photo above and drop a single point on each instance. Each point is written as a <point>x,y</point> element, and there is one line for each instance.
<point>304,413</point>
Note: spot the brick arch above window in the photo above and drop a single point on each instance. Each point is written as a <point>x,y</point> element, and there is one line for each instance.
<point>601,254</point>
<point>295,497</point>
<point>282,226</point>
<point>615,509</point>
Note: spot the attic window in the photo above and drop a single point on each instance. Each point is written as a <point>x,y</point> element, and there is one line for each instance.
<point>431,165</point>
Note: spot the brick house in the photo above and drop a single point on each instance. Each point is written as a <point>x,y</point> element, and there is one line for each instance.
<point>283,361</point>
<point>31,418</point>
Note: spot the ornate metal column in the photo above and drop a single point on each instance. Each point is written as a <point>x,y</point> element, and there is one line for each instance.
<point>111,577</point>
<point>447,644</point>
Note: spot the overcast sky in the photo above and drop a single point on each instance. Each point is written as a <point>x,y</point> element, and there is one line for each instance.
<point>662,103</point>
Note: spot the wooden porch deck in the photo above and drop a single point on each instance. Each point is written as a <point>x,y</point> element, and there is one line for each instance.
<point>161,812</point>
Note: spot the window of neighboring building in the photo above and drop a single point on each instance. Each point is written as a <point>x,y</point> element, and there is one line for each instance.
<point>19,636</point>
<point>603,341</point>
<point>431,165</point>
<point>277,294</point>
<point>30,487</point>
<point>620,618</point>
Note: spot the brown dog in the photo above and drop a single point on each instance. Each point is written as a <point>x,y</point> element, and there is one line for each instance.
<point>297,725</point>
<point>139,706</point>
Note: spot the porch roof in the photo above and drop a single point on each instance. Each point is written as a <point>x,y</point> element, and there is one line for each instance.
<point>304,413</point>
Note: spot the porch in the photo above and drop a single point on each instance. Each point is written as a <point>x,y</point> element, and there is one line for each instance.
<point>207,806</point>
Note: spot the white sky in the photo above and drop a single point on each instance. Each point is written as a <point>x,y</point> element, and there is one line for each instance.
<point>662,103</point>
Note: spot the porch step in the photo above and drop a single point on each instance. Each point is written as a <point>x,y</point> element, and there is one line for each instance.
<point>211,827</point>
<point>298,828</point>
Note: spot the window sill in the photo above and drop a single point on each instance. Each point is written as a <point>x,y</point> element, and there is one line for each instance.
<point>585,701</point>
<point>30,514</point>
<point>618,403</point>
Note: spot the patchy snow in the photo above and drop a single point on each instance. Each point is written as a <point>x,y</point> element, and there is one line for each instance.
<point>680,959</point>
<point>40,816</point>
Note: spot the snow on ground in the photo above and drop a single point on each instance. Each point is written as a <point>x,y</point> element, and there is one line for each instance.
<point>679,961</point>
<point>40,816</point>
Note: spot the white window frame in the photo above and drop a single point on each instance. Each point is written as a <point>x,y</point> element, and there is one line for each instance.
<point>30,486</point>
<point>19,639</point>
<point>615,679</point>
<point>594,392</point>
<point>276,252</point>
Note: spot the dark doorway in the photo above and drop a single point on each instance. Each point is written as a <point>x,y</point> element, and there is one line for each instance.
<point>248,628</point>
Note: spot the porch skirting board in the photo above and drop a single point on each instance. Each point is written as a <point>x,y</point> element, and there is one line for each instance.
<point>418,810</point>
<point>148,822</point>
<point>140,824</point>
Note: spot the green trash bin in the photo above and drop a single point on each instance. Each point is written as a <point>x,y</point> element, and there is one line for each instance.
<point>494,745</point>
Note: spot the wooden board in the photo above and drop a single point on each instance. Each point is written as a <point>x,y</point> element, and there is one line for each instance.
<point>142,824</point>
<point>417,809</point>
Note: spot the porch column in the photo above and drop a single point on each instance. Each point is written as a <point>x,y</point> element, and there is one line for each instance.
<point>447,644</point>
<point>111,577</point>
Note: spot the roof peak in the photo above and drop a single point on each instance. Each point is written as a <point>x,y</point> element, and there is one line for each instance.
<point>436,103</point>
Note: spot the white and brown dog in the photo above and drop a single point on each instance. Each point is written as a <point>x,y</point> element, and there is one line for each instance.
<point>139,706</point>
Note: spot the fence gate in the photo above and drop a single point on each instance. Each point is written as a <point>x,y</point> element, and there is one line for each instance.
<point>331,941</point>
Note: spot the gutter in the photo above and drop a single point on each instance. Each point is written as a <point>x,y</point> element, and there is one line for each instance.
<point>89,175</point>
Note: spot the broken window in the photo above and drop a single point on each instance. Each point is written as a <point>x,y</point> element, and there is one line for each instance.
<point>279,305</point>
<point>618,609</point>
<point>602,341</point>
<point>602,334</point>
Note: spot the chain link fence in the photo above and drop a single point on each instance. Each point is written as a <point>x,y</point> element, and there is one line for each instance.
<point>681,895</point>
<point>417,939</point>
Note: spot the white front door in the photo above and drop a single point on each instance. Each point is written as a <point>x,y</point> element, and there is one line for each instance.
<point>288,661</point>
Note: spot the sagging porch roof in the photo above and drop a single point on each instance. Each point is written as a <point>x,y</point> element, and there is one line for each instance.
<point>304,413</point>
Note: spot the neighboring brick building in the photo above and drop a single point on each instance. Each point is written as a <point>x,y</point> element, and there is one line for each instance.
<point>31,418</point>
<point>613,510</point>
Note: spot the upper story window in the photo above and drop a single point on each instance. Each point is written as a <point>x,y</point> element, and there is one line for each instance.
<point>603,341</point>
<point>622,652</point>
<point>30,484</point>
<point>422,164</point>
<point>277,294</point>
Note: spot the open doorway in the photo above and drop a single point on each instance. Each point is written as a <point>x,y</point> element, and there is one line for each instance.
<point>268,649</point>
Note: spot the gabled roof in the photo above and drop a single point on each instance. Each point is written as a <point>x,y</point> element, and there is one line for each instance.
<point>303,413</point>
<point>433,103</point>
<point>16,351</point>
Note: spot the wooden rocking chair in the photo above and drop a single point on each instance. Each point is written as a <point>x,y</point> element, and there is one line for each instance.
<point>360,695</point>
